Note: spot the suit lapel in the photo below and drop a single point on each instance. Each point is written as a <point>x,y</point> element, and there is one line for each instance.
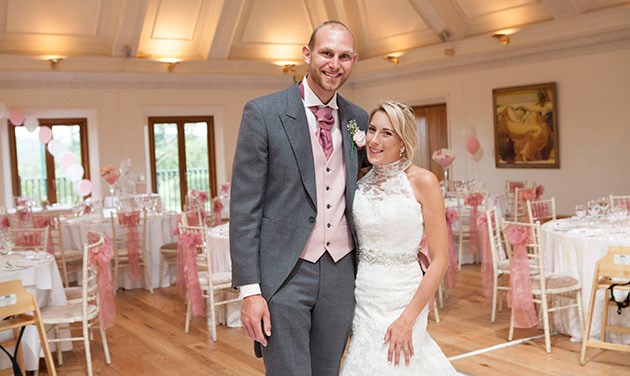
<point>350,156</point>
<point>296,128</point>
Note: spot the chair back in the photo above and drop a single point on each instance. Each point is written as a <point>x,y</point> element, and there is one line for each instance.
<point>541,210</point>
<point>192,217</point>
<point>616,263</point>
<point>619,201</point>
<point>521,196</point>
<point>89,287</point>
<point>533,246</point>
<point>30,239</point>
<point>204,258</point>
<point>494,235</point>
<point>124,224</point>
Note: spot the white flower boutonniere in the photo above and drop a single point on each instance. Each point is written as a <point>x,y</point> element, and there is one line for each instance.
<point>358,136</point>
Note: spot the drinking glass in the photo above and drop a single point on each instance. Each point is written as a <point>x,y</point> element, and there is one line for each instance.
<point>604,204</point>
<point>7,242</point>
<point>593,208</point>
<point>580,211</point>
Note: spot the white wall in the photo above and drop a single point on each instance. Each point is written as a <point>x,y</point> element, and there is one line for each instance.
<point>594,127</point>
<point>593,95</point>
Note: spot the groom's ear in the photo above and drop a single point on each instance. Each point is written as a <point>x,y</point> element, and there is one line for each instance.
<point>306,54</point>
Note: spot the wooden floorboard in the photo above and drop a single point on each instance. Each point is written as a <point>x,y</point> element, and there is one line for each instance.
<point>149,339</point>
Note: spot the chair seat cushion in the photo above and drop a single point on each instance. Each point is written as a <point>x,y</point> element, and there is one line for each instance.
<point>70,255</point>
<point>168,247</point>
<point>73,294</point>
<point>556,281</point>
<point>217,278</point>
<point>66,314</point>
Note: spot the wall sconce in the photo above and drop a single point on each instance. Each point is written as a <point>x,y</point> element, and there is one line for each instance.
<point>393,58</point>
<point>171,63</point>
<point>286,65</point>
<point>503,36</point>
<point>53,60</point>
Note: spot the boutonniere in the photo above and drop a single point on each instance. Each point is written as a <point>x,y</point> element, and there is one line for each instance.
<point>358,136</point>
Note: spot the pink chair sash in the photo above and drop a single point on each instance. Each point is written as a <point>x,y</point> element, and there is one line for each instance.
<point>23,214</point>
<point>131,220</point>
<point>474,200</point>
<point>540,209</point>
<point>102,258</point>
<point>487,273</point>
<point>4,222</point>
<point>520,296</point>
<point>540,189</point>
<point>526,195</point>
<point>187,276</point>
<point>28,239</point>
<point>43,221</point>
<point>216,209</point>
<point>451,217</point>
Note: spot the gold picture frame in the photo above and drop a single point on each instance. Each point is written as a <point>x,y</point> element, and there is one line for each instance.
<point>526,126</point>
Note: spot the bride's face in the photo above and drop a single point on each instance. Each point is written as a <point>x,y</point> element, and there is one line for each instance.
<point>383,143</point>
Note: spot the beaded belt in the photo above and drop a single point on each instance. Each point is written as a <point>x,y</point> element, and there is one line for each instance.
<point>370,256</point>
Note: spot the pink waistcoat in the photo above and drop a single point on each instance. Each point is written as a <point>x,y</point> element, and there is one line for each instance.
<point>331,232</point>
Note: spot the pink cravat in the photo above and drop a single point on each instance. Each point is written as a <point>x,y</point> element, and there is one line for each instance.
<point>325,122</point>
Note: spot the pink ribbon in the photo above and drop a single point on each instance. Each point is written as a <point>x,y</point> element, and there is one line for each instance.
<point>520,295</point>
<point>102,258</point>
<point>451,217</point>
<point>28,239</point>
<point>487,274</point>
<point>192,219</point>
<point>187,277</point>
<point>217,207</point>
<point>526,195</point>
<point>4,222</point>
<point>131,220</point>
<point>43,221</point>
<point>23,214</point>
<point>474,200</point>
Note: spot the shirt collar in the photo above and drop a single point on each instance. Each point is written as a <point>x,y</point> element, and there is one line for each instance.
<point>310,99</point>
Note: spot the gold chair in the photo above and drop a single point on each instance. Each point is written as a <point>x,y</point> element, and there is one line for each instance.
<point>19,314</point>
<point>168,251</point>
<point>613,266</point>
<point>86,312</point>
<point>500,262</point>
<point>545,286</point>
<point>212,283</point>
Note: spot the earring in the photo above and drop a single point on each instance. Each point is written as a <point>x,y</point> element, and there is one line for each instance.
<point>402,151</point>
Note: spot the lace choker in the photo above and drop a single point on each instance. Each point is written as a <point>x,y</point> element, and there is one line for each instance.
<point>391,169</point>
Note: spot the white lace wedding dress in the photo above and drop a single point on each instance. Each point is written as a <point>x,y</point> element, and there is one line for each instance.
<point>389,225</point>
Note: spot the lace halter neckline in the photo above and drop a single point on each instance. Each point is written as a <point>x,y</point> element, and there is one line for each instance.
<point>391,169</point>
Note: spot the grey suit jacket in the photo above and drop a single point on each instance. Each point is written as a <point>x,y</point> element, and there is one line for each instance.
<point>273,198</point>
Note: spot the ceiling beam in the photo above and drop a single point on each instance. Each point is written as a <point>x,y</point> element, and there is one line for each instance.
<point>440,17</point>
<point>221,28</point>
<point>566,8</point>
<point>129,28</point>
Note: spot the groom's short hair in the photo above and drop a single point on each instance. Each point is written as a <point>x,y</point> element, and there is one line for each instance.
<point>338,25</point>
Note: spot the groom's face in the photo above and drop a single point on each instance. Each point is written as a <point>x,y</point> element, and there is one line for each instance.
<point>330,61</point>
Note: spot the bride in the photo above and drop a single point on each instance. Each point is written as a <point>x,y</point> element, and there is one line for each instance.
<point>394,204</point>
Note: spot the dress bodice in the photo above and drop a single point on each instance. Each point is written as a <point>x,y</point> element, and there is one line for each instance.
<point>387,217</point>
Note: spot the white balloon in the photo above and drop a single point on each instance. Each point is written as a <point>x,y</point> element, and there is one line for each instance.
<point>4,111</point>
<point>468,132</point>
<point>30,123</point>
<point>55,147</point>
<point>75,172</point>
<point>478,155</point>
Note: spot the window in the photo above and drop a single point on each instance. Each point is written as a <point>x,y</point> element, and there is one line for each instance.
<point>182,157</point>
<point>36,173</point>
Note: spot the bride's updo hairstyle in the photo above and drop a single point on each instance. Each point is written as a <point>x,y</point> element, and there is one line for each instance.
<point>404,123</point>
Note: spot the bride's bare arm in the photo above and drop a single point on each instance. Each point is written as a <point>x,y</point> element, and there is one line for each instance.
<point>428,193</point>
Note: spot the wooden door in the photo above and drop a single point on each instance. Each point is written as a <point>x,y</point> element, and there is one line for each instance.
<point>432,131</point>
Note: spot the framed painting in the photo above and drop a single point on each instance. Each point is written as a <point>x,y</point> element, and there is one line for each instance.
<point>526,126</point>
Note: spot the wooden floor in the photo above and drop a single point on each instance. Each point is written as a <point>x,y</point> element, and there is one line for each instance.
<point>149,339</point>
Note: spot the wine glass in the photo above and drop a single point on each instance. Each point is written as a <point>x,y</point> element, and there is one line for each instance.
<point>593,208</point>
<point>580,211</point>
<point>8,242</point>
<point>604,204</point>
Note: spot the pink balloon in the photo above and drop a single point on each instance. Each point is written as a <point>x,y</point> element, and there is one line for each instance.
<point>84,187</point>
<point>472,145</point>
<point>67,159</point>
<point>45,134</point>
<point>16,116</point>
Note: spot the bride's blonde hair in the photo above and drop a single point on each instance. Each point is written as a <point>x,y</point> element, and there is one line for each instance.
<point>404,123</point>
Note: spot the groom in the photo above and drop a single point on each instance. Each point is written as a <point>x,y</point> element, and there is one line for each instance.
<point>291,236</point>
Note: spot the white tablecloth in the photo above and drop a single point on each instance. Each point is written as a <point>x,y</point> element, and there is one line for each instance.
<point>159,231</point>
<point>572,248</point>
<point>40,276</point>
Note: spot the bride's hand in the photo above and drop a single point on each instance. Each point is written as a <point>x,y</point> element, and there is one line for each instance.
<point>399,336</point>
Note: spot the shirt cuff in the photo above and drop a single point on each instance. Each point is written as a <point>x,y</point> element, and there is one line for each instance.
<point>249,290</point>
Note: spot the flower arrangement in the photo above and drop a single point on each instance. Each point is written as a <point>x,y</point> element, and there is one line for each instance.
<point>444,157</point>
<point>358,136</point>
<point>110,174</point>
<point>197,195</point>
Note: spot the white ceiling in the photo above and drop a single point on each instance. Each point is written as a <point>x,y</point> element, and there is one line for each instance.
<point>246,36</point>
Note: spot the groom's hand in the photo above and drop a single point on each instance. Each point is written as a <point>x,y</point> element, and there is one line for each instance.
<point>255,317</point>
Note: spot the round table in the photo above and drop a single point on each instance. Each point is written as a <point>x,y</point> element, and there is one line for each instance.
<point>572,247</point>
